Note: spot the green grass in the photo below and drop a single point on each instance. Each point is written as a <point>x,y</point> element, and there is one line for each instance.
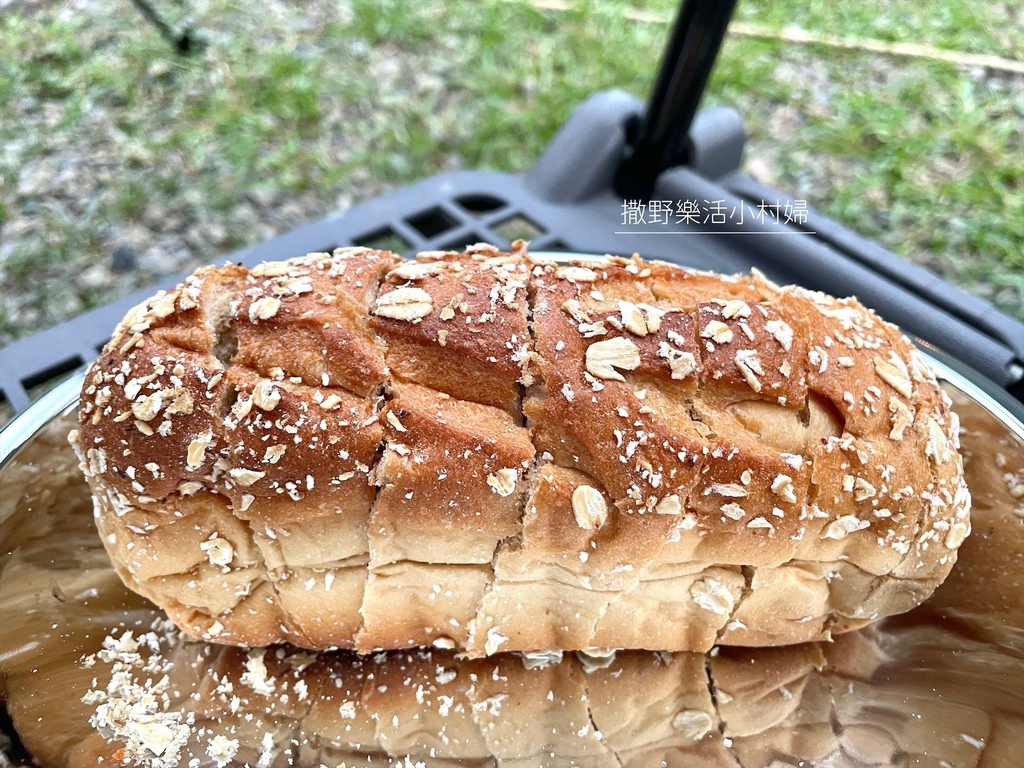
<point>993,28</point>
<point>290,110</point>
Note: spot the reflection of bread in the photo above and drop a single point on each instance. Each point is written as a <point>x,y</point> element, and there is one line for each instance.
<point>432,707</point>
<point>989,593</point>
<point>480,452</point>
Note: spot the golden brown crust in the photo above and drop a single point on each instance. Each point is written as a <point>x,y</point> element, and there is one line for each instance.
<point>479,451</point>
<point>476,319</point>
<point>310,320</point>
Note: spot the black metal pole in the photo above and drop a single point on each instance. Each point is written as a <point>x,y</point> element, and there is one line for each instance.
<point>184,43</point>
<point>660,137</point>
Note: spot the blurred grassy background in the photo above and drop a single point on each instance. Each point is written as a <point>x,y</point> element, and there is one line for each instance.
<point>121,161</point>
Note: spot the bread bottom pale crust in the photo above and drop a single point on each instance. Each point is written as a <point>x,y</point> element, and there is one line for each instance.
<point>481,609</point>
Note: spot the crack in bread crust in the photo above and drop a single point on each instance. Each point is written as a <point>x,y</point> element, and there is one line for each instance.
<point>427,444</point>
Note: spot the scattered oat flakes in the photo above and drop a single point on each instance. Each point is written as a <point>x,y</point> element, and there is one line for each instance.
<point>782,486</point>
<point>219,551</point>
<point>681,364</point>
<point>273,454</point>
<point>669,505</point>
<point>937,445</point>
<point>901,418</point>
<point>265,395</point>
<point>264,308</point>
<point>750,366</point>
<point>718,332</point>
<point>730,490</point>
<point>862,489</point>
<point>404,303</point>
<point>417,270</point>
<point>733,511</point>
<point>633,319</point>
<point>603,357</point>
<point>693,724</point>
<point>712,595</point>
<point>197,450</point>
<point>494,641</point>
<point>781,332</point>
<point>246,477</point>
<point>956,534</point>
<point>330,402</point>
<point>841,526</point>
<point>576,274</point>
<point>894,373</point>
<point>735,308</point>
<point>503,482</point>
<point>589,507</point>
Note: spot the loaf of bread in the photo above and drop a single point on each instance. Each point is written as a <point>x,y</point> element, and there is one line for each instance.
<point>482,452</point>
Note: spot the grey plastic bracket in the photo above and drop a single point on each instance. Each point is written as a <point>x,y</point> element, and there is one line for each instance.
<point>580,162</point>
<point>716,141</point>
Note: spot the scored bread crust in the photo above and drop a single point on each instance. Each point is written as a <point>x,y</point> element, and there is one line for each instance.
<point>484,452</point>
